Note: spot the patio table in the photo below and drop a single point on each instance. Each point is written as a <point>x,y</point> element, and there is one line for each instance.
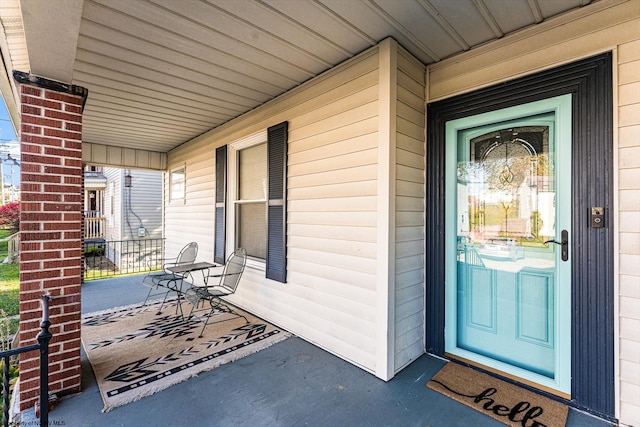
<point>173,279</point>
<point>186,269</point>
<point>182,272</point>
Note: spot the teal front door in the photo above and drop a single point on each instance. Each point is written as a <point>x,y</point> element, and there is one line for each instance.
<point>508,275</point>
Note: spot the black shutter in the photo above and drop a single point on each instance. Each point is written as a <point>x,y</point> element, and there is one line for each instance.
<point>277,137</point>
<point>220,209</point>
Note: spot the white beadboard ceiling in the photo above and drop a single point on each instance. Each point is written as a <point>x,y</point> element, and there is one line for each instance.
<point>160,72</point>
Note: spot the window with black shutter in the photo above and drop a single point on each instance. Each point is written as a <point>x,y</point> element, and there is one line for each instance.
<point>253,171</point>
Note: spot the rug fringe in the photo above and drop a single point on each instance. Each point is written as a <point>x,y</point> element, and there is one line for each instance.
<point>223,361</point>
<point>117,397</point>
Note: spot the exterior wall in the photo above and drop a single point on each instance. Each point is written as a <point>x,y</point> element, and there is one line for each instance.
<point>112,204</point>
<point>409,209</point>
<point>628,71</point>
<point>145,198</point>
<point>336,214</point>
<point>191,219</point>
<point>608,25</point>
<point>51,236</point>
<point>146,203</point>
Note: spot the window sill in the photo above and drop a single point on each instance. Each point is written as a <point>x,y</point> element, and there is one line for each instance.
<point>256,265</point>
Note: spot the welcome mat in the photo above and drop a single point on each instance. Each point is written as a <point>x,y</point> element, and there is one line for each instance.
<point>498,399</point>
<point>135,352</point>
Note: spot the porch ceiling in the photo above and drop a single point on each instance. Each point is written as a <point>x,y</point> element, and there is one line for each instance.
<point>160,72</point>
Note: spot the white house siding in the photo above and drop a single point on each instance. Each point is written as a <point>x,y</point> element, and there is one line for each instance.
<point>191,219</point>
<point>112,204</point>
<point>330,297</point>
<point>409,211</point>
<point>607,26</point>
<point>146,203</point>
<point>629,220</point>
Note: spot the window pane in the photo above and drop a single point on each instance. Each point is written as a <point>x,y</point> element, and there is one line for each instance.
<point>252,229</point>
<point>253,173</point>
<point>177,184</point>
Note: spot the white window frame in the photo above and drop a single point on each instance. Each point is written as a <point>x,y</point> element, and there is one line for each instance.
<point>178,198</point>
<point>232,193</point>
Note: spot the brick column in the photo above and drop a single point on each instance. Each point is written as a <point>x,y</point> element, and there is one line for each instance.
<point>50,230</point>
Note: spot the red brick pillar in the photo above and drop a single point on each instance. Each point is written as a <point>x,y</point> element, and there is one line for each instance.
<point>50,230</point>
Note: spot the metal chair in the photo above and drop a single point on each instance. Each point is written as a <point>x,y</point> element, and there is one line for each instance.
<point>212,294</point>
<point>166,279</point>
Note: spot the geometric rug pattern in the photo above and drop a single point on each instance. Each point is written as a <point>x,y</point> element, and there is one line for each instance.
<point>135,351</point>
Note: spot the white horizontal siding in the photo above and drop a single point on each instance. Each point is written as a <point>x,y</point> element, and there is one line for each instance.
<point>114,188</point>
<point>330,294</point>
<point>192,219</point>
<point>355,131</point>
<point>629,233</point>
<point>355,173</point>
<point>409,206</point>
<point>348,189</point>
<point>347,331</point>
<point>146,203</point>
<point>362,234</point>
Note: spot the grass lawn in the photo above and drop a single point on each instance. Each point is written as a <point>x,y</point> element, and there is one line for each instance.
<point>9,288</point>
<point>9,284</point>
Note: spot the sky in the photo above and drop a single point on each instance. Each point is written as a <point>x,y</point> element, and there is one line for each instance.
<point>8,144</point>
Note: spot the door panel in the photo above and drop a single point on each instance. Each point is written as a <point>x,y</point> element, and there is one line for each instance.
<point>509,305</point>
<point>535,307</point>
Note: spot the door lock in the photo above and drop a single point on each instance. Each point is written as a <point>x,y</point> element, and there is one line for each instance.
<point>564,245</point>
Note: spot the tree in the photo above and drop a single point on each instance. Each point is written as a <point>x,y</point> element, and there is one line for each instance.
<point>10,216</point>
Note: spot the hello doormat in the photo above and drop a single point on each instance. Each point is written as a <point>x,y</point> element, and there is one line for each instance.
<point>135,352</point>
<point>498,399</point>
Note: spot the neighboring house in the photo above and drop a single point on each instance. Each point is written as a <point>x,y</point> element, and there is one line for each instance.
<point>364,192</point>
<point>95,183</point>
<point>123,214</point>
<point>133,204</point>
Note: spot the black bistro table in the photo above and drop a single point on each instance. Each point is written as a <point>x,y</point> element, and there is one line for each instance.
<point>182,272</point>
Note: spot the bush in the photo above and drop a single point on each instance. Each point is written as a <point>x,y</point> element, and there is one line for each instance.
<point>10,216</point>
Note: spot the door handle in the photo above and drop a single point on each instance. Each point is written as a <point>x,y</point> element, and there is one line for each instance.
<point>564,245</point>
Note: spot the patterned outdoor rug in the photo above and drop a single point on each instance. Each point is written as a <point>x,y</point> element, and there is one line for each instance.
<point>136,352</point>
<point>507,403</point>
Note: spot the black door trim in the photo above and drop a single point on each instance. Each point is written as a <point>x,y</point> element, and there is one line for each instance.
<point>590,83</point>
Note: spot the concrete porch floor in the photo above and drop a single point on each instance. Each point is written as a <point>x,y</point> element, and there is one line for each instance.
<point>292,383</point>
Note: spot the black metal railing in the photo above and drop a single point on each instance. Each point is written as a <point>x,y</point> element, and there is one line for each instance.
<point>104,258</point>
<point>43,345</point>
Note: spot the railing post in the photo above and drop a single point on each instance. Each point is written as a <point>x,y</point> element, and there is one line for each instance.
<point>43,340</point>
<point>5,390</point>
